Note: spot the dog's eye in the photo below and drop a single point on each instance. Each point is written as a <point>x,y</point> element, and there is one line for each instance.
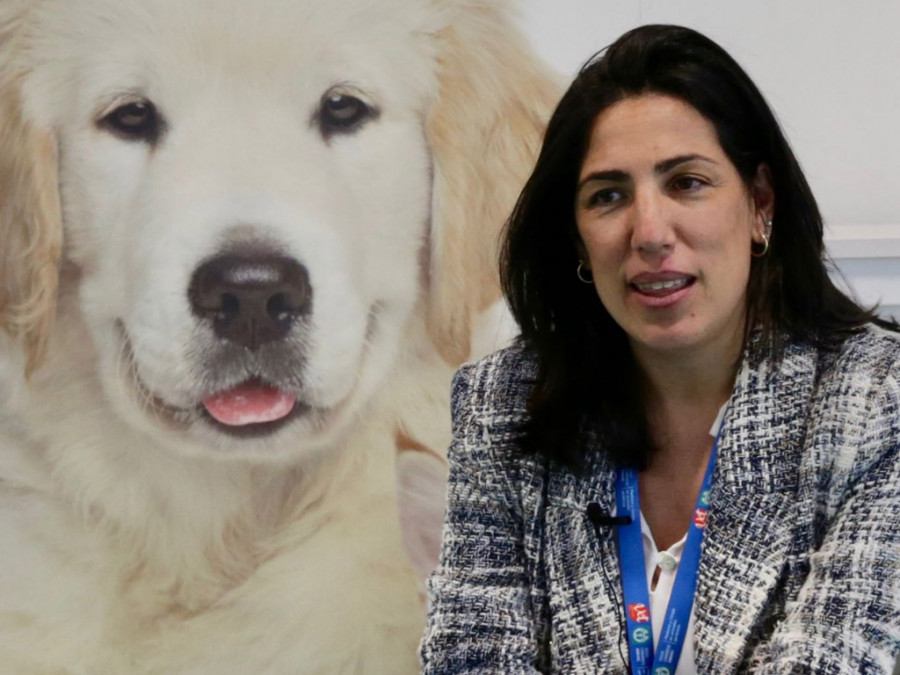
<point>342,113</point>
<point>137,121</point>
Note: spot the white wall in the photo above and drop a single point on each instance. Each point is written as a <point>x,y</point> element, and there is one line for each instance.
<point>831,71</point>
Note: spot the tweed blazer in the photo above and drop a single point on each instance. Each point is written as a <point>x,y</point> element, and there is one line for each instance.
<point>800,565</point>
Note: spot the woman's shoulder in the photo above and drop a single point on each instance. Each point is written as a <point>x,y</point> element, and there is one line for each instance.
<point>852,437</point>
<point>497,385</point>
<point>857,403</point>
<point>866,361</point>
<point>489,404</point>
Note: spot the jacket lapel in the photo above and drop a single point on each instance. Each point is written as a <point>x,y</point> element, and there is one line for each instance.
<point>753,512</point>
<point>585,586</point>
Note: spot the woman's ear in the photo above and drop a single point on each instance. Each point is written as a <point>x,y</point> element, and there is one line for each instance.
<point>484,131</point>
<point>763,196</point>
<point>30,226</point>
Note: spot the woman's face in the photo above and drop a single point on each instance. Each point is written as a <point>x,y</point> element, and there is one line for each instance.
<point>666,225</point>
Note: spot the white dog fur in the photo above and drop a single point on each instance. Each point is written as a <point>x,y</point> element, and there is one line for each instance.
<point>136,536</point>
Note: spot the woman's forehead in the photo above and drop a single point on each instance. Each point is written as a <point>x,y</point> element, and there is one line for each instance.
<point>642,131</point>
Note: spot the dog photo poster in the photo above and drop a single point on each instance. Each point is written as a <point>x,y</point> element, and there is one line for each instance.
<point>243,248</point>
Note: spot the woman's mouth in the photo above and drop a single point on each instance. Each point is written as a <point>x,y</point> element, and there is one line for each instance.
<point>662,287</point>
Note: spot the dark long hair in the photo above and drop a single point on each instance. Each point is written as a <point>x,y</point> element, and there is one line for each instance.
<point>586,373</point>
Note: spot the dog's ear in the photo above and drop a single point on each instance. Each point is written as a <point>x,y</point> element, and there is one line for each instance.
<point>484,131</point>
<point>30,226</point>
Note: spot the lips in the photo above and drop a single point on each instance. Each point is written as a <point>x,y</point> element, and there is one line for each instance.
<point>251,402</point>
<point>661,284</point>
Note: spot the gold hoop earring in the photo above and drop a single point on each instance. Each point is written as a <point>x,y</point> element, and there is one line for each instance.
<point>579,272</point>
<point>765,236</point>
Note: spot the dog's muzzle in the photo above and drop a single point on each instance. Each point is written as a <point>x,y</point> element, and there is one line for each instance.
<point>251,301</point>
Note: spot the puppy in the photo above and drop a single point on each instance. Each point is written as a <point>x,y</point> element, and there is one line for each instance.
<point>243,247</point>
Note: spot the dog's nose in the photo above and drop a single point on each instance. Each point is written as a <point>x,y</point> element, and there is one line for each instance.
<point>250,299</point>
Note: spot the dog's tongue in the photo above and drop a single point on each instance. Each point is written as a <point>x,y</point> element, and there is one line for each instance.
<point>249,403</point>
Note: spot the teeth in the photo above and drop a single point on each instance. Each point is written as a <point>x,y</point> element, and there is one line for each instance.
<point>662,285</point>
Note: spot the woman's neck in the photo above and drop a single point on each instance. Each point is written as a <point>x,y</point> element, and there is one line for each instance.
<point>683,393</point>
<point>696,379</point>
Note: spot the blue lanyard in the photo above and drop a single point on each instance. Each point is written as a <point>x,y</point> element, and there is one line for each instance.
<point>634,578</point>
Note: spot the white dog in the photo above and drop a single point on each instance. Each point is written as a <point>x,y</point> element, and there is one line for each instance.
<point>243,246</point>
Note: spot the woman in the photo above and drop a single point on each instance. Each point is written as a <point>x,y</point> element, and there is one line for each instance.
<point>688,384</point>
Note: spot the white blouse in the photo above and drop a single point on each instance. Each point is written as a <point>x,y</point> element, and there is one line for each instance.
<point>668,562</point>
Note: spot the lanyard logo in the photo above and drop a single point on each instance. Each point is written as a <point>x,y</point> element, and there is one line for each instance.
<point>641,635</point>
<point>639,612</point>
<point>700,516</point>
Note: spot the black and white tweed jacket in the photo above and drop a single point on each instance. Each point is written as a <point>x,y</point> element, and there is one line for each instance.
<point>800,568</point>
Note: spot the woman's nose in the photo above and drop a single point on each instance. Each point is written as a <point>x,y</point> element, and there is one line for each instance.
<point>651,226</point>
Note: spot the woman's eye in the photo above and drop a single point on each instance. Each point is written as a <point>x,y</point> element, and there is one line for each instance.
<point>687,183</point>
<point>604,197</point>
<point>342,113</point>
<point>135,121</point>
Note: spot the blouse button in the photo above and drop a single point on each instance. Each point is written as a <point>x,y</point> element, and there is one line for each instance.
<point>666,561</point>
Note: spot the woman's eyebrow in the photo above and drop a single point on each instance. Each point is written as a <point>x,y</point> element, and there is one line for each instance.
<point>613,175</point>
<point>668,164</point>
